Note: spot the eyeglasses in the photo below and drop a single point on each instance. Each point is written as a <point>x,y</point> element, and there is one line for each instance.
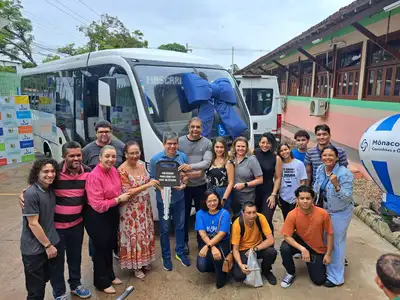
<point>133,153</point>
<point>104,132</point>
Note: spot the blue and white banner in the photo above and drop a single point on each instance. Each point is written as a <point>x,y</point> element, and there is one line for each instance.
<point>380,154</point>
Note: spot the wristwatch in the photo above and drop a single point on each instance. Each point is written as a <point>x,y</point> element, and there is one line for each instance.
<point>48,246</point>
<point>246,185</point>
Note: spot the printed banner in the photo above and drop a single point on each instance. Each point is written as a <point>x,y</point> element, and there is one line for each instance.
<point>16,138</point>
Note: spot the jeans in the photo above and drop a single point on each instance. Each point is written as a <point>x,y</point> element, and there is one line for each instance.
<point>37,273</point>
<point>209,264</point>
<point>268,257</point>
<point>316,267</point>
<point>196,193</point>
<point>221,192</point>
<point>177,212</point>
<point>71,240</point>
<point>286,207</point>
<point>340,222</point>
<point>102,229</point>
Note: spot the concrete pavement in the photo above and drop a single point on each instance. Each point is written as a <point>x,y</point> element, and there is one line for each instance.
<point>364,247</point>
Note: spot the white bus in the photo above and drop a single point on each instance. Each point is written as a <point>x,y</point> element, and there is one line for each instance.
<point>135,89</point>
<point>262,97</point>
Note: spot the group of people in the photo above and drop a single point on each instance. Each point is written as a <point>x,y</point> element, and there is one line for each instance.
<point>104,188</point>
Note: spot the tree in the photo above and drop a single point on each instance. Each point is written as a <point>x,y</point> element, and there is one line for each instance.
<point>233,69</point>
<point>107,33</point>
<point>7,69</point>
<point>16,38</point>
<point>50,57</point>
<point>71,50</point>
<point>173,47</point>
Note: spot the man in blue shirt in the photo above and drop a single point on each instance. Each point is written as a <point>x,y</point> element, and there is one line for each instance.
<point>302,138</point>
<point>177,207</point>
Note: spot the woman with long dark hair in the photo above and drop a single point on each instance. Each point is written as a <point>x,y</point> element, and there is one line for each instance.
<point>136,226</point>
<point>293,175</point>
<point>103,188</point>
<point>221,174</point>
<point>334,187</point>
<point>271,165</point>
<point>213,226</point>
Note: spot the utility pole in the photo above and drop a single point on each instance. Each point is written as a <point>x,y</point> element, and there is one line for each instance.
<point>233,56</point>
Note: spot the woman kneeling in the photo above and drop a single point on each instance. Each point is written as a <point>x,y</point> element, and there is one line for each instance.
<point>213,227</point>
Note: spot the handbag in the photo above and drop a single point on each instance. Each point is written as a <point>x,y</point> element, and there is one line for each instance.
<point>228,260</point>
<point>321,195</point>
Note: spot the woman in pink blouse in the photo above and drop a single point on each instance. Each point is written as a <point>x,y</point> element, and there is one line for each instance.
<point>103,189</point>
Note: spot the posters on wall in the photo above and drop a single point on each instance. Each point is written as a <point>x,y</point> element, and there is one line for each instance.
<point>16,138</point>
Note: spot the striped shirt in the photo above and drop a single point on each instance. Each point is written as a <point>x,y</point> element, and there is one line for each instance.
<point>70,196</point>
<point>313,158</point>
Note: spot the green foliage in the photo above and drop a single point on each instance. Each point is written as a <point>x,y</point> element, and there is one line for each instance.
<point>173,47</point>
<point>107,33</point>
<point>7,69</point>
<point>50,57</point>
<point>28,65</point>
<point>233,69</point>
<point>16,38</point>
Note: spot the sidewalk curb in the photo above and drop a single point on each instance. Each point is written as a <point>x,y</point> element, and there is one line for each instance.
<point>375,222</point>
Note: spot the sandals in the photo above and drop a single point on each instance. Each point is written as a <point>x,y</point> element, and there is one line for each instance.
<point>109,290</point>
<point>139,273</point>
<point>147,268</point>
<point>116,281</point>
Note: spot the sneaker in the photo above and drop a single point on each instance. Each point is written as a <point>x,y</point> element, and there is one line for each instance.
<point>183,259</point>
<point>297,256</point>
<point>287,280</point>
<point>186,249</point>
<point>270,278</point>
<point>346,262</point>
<point>62,297</point>
<point>167,264</point>
<point>116,256</point>
<point>81,292</point>
<point>329,284</point>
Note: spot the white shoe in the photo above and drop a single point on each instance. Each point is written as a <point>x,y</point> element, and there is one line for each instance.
<point>287,280</point>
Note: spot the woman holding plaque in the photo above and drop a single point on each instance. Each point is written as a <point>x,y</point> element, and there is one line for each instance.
<point>103,188</point>
<point>136,240</point>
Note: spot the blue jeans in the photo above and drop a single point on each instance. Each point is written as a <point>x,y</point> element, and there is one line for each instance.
<point>177,212</point>
<point>221,192</point>
<point>71,240</point>
<point>340,223</point>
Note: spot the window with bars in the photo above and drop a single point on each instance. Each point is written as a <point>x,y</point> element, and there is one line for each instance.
<point>306,78</point>
<point>383,71</point>
<point>348,72</point>
<point>293,81</point>
<point>322,82</point>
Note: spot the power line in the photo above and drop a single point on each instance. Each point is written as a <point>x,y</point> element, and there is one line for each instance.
<point>67,13</point>
<point>89,7</point>
<point>72,11</point>
<point>228,49</point>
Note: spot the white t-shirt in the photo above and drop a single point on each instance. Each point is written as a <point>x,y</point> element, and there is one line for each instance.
<point>292,174</point>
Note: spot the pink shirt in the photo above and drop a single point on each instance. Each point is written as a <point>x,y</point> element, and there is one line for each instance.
<point>102,187</point>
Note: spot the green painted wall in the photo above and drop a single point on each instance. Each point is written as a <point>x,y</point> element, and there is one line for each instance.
<point>387,106</point>
<point>348,29</point>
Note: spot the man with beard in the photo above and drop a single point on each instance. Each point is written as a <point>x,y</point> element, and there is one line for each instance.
<point>198,151</point>
<point>69,188</point>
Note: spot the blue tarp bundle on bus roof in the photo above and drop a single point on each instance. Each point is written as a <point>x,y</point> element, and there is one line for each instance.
<point>218,96</point>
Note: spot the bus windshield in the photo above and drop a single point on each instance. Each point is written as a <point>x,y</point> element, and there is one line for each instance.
<point>160,84</point>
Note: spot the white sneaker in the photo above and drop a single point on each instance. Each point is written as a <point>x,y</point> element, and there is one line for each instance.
<point>287,280</point>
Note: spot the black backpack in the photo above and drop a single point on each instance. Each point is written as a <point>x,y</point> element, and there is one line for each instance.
<point>242,227</point>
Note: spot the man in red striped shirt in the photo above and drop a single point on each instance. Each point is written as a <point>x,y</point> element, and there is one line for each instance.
<point>70,193</point>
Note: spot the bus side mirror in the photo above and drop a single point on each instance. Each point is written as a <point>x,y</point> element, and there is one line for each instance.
<point>107,91</point>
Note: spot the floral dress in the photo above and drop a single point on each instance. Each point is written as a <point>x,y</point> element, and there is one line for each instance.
<point>136,237</point>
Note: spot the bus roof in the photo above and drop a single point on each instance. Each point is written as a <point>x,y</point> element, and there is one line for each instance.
<point>254,76</point>
<point>134,53</point>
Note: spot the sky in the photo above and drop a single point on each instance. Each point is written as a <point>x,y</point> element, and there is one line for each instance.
<point>210,28</point>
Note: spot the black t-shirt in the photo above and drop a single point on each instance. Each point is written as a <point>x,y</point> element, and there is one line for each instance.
<point>41,202</point>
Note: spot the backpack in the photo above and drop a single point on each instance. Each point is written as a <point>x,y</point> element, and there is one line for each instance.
<point>242,228</point>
